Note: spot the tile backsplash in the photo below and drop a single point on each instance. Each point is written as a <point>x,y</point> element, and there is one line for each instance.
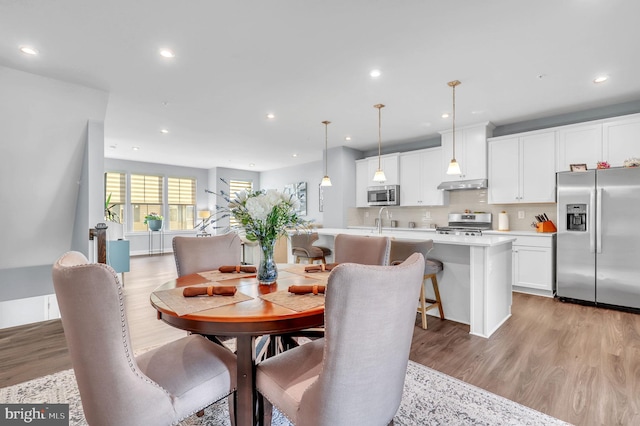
<point>459,201</point>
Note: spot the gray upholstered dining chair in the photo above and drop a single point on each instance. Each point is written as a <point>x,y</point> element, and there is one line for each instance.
<point>302,247</point>
<point>159,387</point>
<point>402,249</point>
<point>206,253</point>
<point>361,249</point>
<point>355,374</point>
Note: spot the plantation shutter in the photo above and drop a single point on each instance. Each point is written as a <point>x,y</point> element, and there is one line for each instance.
<point>146,189</point>
<point>181,191</point>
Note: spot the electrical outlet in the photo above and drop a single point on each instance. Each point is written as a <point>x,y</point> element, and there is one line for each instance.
<point>366,214</point>
<point>427,214</point>
<point>520,214</point>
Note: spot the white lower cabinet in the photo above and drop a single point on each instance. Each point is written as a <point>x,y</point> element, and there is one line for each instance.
<point>534,265</point>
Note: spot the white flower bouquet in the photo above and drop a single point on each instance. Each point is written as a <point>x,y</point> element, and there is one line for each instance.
<point>266,216</point>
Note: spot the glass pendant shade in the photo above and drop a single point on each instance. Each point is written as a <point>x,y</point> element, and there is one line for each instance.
<point>379,176</point>
<point>326,181</point>
<point>454,168</point>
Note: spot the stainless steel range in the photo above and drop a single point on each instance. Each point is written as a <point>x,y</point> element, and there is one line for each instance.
<point>466,224</point>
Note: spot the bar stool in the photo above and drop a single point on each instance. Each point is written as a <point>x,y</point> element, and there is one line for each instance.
<point>431,268</point>
<point>402,249</point>
<point>302,247</point>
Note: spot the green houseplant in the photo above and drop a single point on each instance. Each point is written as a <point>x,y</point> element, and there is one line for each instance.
<point>153,221</point>
<point>109,211</point>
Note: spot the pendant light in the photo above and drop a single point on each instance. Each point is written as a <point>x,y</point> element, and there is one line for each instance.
<point>379,175</point>
<point>454,167</point>
<point>326,181</point>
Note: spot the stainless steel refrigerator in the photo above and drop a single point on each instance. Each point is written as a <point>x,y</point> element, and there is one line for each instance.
<point>598,240</point>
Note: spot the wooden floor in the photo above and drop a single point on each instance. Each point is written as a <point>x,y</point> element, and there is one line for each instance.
<point>577,363</point>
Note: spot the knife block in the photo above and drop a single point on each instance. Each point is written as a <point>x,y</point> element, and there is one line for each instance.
<point>547,226</point>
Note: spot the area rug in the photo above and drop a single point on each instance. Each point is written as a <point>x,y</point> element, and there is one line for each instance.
<point>429,398</point>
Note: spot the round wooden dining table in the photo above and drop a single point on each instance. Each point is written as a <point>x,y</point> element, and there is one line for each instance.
<point>258,313</point>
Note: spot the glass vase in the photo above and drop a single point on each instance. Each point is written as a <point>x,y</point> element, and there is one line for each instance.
<point>267,269</point>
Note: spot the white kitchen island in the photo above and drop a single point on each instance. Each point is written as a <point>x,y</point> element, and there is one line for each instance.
<point>475,286</point>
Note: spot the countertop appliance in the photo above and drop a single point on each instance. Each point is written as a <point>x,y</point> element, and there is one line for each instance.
<point>598,237</point>
<point>386,195</point>
<point>467,224</point>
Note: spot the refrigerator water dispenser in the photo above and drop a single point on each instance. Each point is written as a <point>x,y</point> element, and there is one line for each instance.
<point>577,217</point>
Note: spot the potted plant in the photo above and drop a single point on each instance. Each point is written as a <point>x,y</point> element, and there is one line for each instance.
<point>153,221</point>
<point>109,213</point>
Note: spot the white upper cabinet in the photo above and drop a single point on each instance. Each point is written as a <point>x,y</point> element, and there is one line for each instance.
<point>522,168</point>
<point>420,174</point>
<point>612,140</point>
<point>471,152</point>
<point>580,144</point>
<point>390,167</point>
<point>621,140</point>
<point>366,168</point>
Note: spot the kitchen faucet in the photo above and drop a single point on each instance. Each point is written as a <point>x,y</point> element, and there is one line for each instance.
<point>380,218</point>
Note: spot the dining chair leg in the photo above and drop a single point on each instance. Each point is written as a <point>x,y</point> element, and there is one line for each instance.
<point>232,401</point>
<point>423,306</point>
<point>265,410</point>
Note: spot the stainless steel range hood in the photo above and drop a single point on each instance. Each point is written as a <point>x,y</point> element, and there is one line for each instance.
<point>459,185</point>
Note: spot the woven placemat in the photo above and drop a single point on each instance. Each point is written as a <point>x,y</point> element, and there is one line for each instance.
<point>296,302</point>
<point>322,277</point>
<point>188,305</point>
<point>221,276</point>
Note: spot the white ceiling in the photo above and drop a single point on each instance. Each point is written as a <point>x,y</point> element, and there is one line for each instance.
<point>309,61</point>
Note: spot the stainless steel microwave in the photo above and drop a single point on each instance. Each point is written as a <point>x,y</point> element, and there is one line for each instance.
<point>387,195</point>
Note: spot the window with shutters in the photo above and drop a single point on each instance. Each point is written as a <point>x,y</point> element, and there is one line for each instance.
<point>237,186</point>
<point>115,193</point>
<point>146,197</point>
<point>181,193</point>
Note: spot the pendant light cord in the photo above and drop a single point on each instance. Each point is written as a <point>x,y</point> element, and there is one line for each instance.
<point>326,152</point>
<point>379,106</point>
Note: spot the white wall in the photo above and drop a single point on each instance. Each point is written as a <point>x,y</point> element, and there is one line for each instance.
<point>311,173</point>
<point>44,136</point>
<point>42,151</point>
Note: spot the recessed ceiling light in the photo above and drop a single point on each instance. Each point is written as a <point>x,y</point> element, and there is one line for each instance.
<point>167,53</point>
<point>445,115</point>
<point>271,116</point>
<point>375,73</point>
<point>294,155</point>
<point>164,131</point>
<point>29,50</point>
<point>347,138</point>
<point>252,164</point>
<point>601,79</point>
<point>136,148</point>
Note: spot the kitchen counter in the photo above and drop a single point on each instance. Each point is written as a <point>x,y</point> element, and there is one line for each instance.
<point>475,285</point>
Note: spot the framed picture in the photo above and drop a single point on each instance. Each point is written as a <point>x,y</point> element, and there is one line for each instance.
<point>578,167</point>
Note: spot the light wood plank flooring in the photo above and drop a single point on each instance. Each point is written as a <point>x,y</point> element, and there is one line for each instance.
<point>577,363</point>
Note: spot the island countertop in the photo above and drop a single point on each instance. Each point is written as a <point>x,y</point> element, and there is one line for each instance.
<point>409,234</point>
<point>476,278</point>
